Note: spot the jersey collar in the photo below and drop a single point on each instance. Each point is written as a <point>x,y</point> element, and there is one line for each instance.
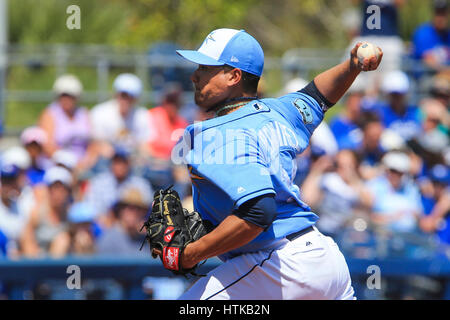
<point>252,107</point>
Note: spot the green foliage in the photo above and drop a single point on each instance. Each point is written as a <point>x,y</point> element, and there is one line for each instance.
<point>413,13</point>
<point>138,23</point>
<point>44,21</point>
<point>278,25</point>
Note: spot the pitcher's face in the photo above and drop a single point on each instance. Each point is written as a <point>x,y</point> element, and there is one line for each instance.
<point>210,84</point>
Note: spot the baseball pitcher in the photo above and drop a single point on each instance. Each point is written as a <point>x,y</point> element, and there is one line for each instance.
<point>242,166</point>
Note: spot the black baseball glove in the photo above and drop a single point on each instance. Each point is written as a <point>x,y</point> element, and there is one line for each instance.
<point>170,228</point>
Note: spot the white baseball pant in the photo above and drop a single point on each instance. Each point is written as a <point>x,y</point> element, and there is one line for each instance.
<point>308,267</point>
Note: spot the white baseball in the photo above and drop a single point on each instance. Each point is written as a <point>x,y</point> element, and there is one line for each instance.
<point>367,50</point>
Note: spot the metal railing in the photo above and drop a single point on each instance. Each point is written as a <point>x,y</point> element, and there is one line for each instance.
<point>103,60</point>
<point>21,275</point>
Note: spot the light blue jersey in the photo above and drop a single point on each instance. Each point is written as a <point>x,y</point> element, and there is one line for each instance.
<point>248,153</point>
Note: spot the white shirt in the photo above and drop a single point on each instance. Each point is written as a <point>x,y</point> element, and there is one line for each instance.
<point>338,203</point>
<point>14,219</point>
<point>109,125</point>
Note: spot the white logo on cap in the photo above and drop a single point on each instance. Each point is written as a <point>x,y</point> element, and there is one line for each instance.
<point>240,190</point>
<point>210,37</point>
<point>234,59</point>
<point>219,40</point>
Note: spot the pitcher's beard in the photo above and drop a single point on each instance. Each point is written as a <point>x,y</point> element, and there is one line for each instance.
<point>203,102</point>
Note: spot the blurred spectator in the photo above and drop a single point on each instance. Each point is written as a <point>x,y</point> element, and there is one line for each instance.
<point>338,195</point>
<point>165,125</point>
<point>68,160</point>
<point>440,88</point>
<point>103,189</point>
<point>33,139</point>
<point>120,121</point>
<point>346,126</point>
<point>432,145</point>
<point>371,150</point>
<point>431,41</point>
<point>124,237</point>
<point>396,200</point>
<point>306,160</point>
<point>435,123</point>
<point>397,114</point>
<point>436,116</point>
<point>437,204</point>
<point>64,121</point>
<point>386,32</point>
<point>65,158</point>
<point>49,216</point>
<point>164,128</point>
<point>79,238</point>
<point>19,157</point>
<point>351,20</point>
<point>15,208</point>
<point>3,246</point>
<point>380,26</point>
<point>176,70</point>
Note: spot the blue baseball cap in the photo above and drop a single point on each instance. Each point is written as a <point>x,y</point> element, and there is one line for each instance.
<point>121,152</point>
<point>232,47</point>
<point>8,170</point>
<point>440,173</point>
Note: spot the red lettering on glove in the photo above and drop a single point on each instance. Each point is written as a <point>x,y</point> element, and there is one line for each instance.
<point>171,258</point>
<point>168,234</point>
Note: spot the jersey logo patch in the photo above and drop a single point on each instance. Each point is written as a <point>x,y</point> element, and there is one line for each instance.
<point>240,190</point>
<point>304,110</point>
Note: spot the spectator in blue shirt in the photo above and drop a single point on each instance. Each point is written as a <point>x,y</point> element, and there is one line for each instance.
<point>123,237</point>
<point>80,236</point>
<point>437,204</point>
<point>431,41</point>
<point>337,195</point>
<point>396,202</point>
<point>15,208</point>
<point>345,126</point>
<point>103,189</point>
<point>3,244</point>
<point>370,151</point>
<point>396,113</point>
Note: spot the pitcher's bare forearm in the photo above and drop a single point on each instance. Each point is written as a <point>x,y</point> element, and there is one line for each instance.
<point>334,82</point>
<point>231,233</point>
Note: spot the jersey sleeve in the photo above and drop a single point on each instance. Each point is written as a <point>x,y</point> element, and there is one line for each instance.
<point>238,168</point>
<point>303,111</point>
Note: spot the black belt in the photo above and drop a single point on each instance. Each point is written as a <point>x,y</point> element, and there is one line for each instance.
<point>297,234</point>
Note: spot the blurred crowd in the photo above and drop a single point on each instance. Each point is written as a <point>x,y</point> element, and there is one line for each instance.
<point>377,172</point>
<point>82,179</point>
